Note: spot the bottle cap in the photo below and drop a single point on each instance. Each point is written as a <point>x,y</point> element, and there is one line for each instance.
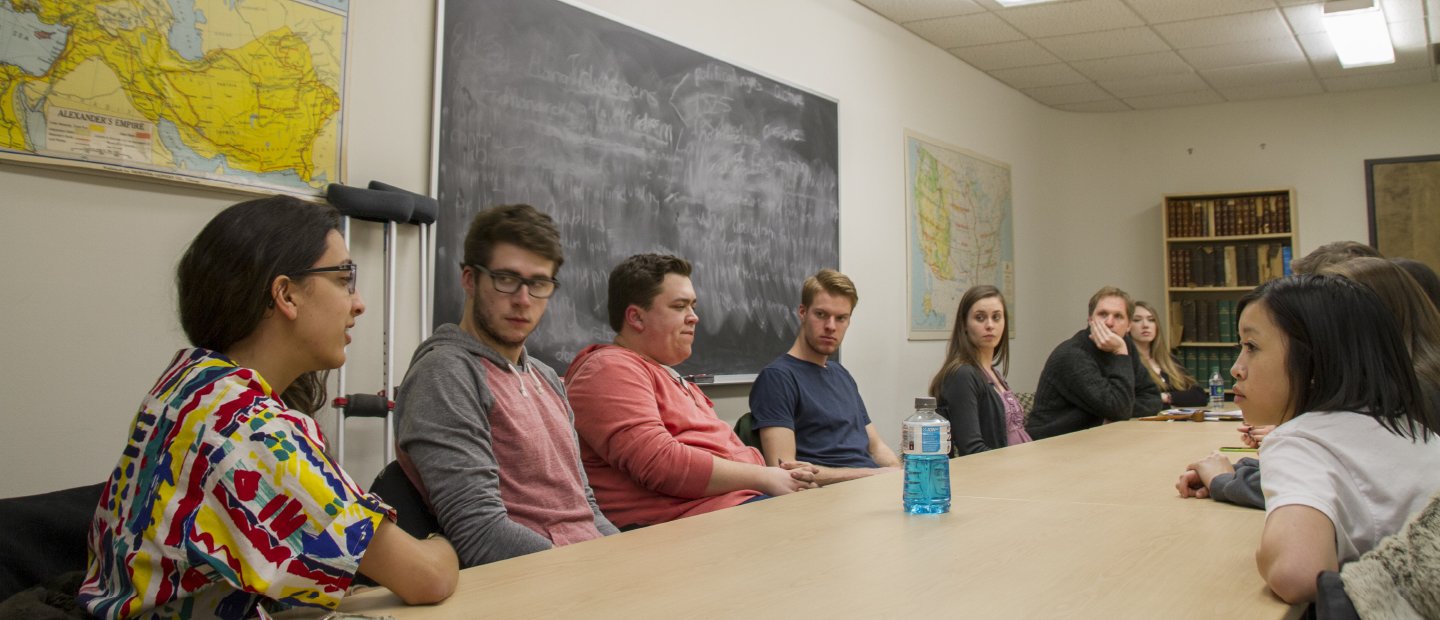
<point>924,402</point>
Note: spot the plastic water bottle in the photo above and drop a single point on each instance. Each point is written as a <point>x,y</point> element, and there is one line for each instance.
<point>925,446</point>
<point>1217,391</point>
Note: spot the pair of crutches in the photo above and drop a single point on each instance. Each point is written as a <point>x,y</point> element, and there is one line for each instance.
<point>391,206</point>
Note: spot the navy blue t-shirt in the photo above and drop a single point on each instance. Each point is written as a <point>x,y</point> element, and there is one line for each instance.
<point>821,404</point>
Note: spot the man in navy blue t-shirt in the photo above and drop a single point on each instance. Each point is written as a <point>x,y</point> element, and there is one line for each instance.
<point>806,406</point>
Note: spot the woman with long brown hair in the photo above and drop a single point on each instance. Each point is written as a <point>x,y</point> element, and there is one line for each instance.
<point>1177,388</point>
<point>984,413</point>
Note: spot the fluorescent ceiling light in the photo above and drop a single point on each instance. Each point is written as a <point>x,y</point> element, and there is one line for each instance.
<point>1010,3</point>
<point>1357,30</point>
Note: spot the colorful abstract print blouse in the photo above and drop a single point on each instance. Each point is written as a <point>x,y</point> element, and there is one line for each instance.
<point>223,501</point>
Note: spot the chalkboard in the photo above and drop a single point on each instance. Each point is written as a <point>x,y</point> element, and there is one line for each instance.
<point>634,144</point>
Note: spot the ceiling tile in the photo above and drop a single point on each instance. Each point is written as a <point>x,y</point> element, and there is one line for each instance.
<point>1379,80</point>
<point>1177,100</point>
<point>1108,105</point>
<point>1131,66</point>
<point>1408,35</point>
<point>1032,77</point>
<point>1259,75</point>
<point>1154,85</point>
<point>1254,26</point>
<point>902,11</point>
<point>1005,55</point>
<point>1402,10</point>
<point>1305,18</point>
<point>1318,48</point>
<point>1161,11</point>
<point>1296,2</point>
<point>1070,93</point>
<point>1126,42</point>
<point>1248,53</point>
<point>1048,20</point>
<point>1274,90</point>
<point>965,30</point>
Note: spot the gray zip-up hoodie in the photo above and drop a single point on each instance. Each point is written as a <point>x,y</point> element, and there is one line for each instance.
<point>492,447</point>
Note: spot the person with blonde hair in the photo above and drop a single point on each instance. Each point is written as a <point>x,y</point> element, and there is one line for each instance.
<point>971,392</point>
<point>1177,387</point>
<point>806,405</point>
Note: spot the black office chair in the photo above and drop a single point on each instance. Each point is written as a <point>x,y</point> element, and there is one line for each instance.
<point>393,486</point>
<point>1331,601</point>
<point>44,539</point>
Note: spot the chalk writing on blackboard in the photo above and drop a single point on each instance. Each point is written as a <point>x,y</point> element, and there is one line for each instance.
<point>635,144</point>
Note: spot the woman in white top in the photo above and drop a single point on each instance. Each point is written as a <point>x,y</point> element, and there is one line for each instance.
<point>1354,453</point>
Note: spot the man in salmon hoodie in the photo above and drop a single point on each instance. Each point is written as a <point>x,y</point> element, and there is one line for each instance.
<point>484,430</point>
<point>651,443</point>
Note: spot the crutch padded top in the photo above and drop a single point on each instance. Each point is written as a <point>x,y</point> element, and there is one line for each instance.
<point>426,208</point>
<point>363,406</point>
<point>371,204</point>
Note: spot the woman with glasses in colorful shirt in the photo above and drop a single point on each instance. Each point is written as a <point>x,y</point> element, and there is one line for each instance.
<point>224,502</point>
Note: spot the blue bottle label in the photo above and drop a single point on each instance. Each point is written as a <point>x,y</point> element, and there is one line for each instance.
<point>930,439</point>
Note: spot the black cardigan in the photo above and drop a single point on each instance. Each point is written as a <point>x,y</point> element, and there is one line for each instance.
<point>975,412</point>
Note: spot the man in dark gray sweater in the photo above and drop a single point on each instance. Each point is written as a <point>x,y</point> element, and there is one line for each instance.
<point>484,430</point>
<point>1092,377</point>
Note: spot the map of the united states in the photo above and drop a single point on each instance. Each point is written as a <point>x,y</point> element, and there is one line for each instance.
<point>234,91</point>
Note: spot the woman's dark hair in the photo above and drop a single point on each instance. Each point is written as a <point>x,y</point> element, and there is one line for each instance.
<point>961,351</point>
<point>1345,351</point>
<point>223,281</point>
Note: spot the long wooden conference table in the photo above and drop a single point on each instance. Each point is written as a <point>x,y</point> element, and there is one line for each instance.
<point>1085,525</point>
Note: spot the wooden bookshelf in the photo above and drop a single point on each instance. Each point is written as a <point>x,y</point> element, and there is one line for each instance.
<point>1217,248</point>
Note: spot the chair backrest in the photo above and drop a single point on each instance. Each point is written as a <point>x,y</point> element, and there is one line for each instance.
<point>44,536</point>
<point>1027,402</point>
<point>1331,601</point>
<point>745,430</point>
<point>414,516</point>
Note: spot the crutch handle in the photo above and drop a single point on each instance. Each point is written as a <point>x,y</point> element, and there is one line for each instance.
<point>370,204</point>
<point>426,208</point>
<point>364,405</point>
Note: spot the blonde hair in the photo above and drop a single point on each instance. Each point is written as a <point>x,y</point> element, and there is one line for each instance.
<point>1179,379</point>
<point>832,282</point>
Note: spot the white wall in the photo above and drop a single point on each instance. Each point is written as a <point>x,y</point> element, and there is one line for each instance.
<point>85,261</point>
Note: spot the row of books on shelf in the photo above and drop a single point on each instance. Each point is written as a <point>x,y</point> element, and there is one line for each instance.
<point>1201,362</point>
<point>1205,320</point>
<point>1241,264</point>
<point>1240,215</point>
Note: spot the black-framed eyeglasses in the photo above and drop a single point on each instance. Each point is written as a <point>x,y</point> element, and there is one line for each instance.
<point>508,282</point>
<point>350,268</point>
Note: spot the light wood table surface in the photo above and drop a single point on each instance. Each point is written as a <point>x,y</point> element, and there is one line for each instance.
<point>1082,526</point>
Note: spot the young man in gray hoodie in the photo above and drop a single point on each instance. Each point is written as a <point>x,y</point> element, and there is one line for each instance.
<point>484,430</point>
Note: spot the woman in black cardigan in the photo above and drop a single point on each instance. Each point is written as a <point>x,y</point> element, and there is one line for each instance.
<point>984,414</point>
<point>1177,389</point>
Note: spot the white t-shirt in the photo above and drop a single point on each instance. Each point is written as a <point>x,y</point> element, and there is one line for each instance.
<point>1366,479</point>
